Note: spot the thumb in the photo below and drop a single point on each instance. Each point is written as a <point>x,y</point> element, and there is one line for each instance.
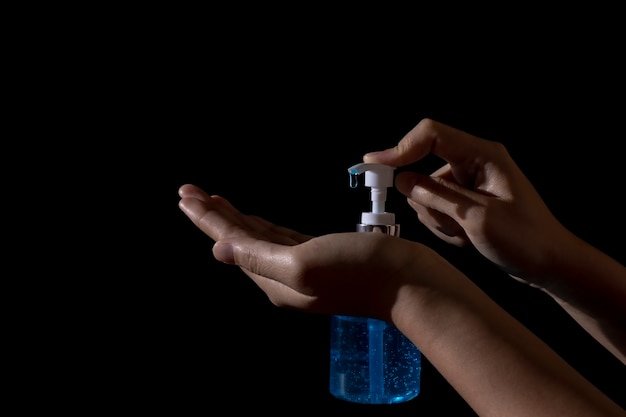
<point>260,257</point>
<point>223,252</point>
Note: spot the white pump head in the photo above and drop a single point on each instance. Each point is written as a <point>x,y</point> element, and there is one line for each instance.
<point>379,177</point>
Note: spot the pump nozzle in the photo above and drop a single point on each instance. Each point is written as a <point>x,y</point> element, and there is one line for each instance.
<point>379,177</point>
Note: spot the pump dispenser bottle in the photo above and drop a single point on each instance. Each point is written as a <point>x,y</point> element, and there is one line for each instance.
<point>371,361</point>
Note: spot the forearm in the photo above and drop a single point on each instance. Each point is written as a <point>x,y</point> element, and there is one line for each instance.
<point>498,366</point>
<point>591,287</point>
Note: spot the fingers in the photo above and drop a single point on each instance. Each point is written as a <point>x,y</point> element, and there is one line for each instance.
<point>219,219</point>
<point>210,217</point>
<point>258,247</point>
<point>269,266</point>
<point>441,225</point>
<point>259,259</point>
<point>439,194</point>
<point>429,136</point>
<point>282,295</point>
<point>192,191</point>
<point>219,213</point>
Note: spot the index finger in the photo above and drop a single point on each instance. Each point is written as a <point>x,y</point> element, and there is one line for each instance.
<point>429,136</point>
<point>218,219</point>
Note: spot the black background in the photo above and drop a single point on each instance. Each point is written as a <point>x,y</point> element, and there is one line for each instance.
<point>271,119</point>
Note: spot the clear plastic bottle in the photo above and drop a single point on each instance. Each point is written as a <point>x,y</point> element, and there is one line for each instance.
<point>371,361</point>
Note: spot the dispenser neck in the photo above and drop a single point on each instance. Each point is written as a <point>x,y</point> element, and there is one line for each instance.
<point>388,229</point>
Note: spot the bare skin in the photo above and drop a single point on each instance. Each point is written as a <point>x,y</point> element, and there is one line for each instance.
<point>497,365</point>
<point>481,198</point>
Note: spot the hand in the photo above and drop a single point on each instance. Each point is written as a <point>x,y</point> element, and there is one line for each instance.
<point>355,274</point>
<point>478,197</point>
<point>376,275</point>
